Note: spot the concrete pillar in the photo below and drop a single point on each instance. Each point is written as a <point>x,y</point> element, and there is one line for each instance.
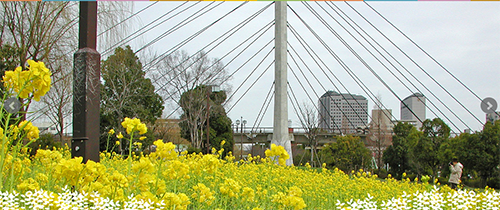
<point>280,132</point>
<point>86,87</point>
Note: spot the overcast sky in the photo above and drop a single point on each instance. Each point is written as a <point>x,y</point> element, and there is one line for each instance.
<point>462,36</point>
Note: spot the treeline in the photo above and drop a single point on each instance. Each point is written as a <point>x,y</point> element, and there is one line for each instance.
<point>429,150</point>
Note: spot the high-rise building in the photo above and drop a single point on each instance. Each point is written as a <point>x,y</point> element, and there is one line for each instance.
<point>413,109</point>
<point>342,113</point>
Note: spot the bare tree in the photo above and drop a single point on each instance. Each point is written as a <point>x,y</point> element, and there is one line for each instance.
<point>310,123</point>
<point>58,101</point>
<point>179,74</point>
<point>380,131</point>
<point>37,29</point>
<point>48,32</point>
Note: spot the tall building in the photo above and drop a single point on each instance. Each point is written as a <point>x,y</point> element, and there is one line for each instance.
<point>381,119</point>
<point>414,111</point>
<point>342,113</point>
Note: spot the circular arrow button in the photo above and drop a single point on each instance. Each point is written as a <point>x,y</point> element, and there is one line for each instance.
<point>489,105</point>
<point>12,105</point>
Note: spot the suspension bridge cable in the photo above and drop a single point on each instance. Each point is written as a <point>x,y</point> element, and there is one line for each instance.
<point>255,54</point>
<point>404,76</point>
<point>423,70</point>
<point>241,52</point>
<point>124,40</point>
<point>187,40</point>
<point>221,69</point>
<point>376,58</point>
<point>324,106</point>
<point>301,41</point>
<point>267,108</point>
<point>145,8</point>
<point>178,107</point>
<point>258,78</point>
<point>237,27</point>
<point>172,94</point>
<point>343,65</point>
<point>171,79</point>
<point>309,50</point>
<point>425,52</point>
<point>367,66</point>
<point>263,105</point>
<point>165,34</point>
<point>324,89</point>
<point>293,105</point>
<point>251,73</point>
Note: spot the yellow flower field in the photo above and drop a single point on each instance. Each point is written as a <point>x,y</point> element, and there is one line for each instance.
<point>165,179</point>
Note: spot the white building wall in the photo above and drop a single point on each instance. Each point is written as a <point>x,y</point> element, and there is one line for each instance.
<point>415,103</point>
<point>342,112</point>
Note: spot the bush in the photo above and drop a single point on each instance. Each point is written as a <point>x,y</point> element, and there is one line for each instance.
<point>476,183</point>
<point>381,173</point>
<point>493,182</point>
<point>192,150</point>
<point>443,180</point>
<point>410,176</point>
<point>46,141</point>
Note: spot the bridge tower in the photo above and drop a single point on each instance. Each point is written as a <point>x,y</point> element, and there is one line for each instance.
<point>280,128</point>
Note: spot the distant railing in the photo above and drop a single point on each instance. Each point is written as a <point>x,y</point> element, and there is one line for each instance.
<point>267,130</point>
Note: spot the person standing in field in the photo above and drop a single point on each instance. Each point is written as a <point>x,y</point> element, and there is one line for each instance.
<point>456,173</point>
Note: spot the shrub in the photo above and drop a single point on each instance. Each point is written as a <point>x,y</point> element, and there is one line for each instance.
<point>443,180</point>
<point>493,182</point>
<point>473,182</point>
<point>381,173</point>
<point>46,141</point>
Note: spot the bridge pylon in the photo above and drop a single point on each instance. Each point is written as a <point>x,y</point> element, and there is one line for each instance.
<point>280,127</point>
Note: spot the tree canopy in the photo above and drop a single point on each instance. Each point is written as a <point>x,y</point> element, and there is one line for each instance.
<point>347,153</point>
<point>194,118</point>
<point>396,155</point>
<point>126,92</point>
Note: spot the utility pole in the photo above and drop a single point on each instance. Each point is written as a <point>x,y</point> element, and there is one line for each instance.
<point>280,131</point>
<point>86,87</point>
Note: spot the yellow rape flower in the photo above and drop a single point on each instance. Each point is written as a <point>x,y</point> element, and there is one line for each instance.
<point>134,125</point>
<point>41,79</point>
<point>138,144</point>
<point>111,132</point>
<point>32,132</point>
<point>120,135</point>
<point>279,153</point>
<point>35,80</point>
<point>28,185</point>
<point>164,150</point>
<point>203,194</point>
<point>142,138</point>
<point>117,142</point>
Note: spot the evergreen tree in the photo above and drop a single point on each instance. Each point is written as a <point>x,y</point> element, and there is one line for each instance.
<point>347,153</point>
<point>126,93</point>
<point>426,151</point>
<point>396,155</point>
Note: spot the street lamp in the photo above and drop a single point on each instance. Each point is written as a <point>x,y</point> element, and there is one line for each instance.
<point>242,122</point>
<point>210,89</point>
